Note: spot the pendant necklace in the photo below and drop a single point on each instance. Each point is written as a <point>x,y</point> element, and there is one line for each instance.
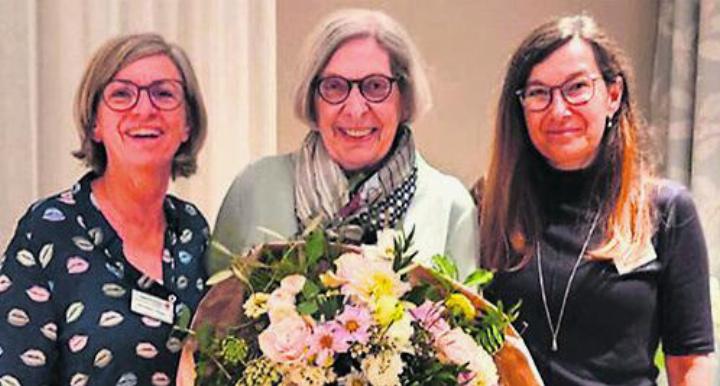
<point>555,330</point>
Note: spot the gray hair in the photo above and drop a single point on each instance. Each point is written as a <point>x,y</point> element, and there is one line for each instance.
<point>341,26</point>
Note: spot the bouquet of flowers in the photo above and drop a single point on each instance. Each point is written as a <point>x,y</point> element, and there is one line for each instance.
<point>312,312</point>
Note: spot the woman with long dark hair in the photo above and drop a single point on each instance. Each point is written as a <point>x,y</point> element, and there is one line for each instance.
<point>607,259</point>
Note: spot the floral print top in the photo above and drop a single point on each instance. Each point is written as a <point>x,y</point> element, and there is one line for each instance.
<point>66,289</point>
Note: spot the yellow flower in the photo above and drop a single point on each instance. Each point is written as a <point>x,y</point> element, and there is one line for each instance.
<point>387,310</point>
<point>256,305</point>
<point>382,284</point>
<point>459,304</point>
<point>330,280</point>
<point>366,279</point>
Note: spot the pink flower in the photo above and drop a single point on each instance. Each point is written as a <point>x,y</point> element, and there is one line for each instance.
<point>456,346</point>
<point>465,378</point>
<point>459,348</point>
<point>356,321</point>
<point>280,304</point>
<point>286,339</point>
<point>293,284</point>
<point>282,300</point>
<point>429,315</point>
<point>327,339</point>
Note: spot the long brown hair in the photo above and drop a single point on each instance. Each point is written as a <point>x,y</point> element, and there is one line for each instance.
<point>510,215</point>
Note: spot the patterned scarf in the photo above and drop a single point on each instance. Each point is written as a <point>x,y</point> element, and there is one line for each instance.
<point>376,202</point>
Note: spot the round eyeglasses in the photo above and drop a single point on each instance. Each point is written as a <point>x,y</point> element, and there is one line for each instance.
<point>123,95</point>
<point>576,91</point>
<point>374,88</point>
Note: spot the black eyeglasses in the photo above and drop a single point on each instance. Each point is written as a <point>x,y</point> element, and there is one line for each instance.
<point>123,95</point>
<point>576,91</point>
<point>374,88</point>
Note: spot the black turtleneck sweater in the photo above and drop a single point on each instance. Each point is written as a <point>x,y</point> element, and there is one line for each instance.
<point>612,323</point>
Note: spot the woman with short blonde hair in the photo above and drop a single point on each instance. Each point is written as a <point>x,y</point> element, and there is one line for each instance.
<point>96,276</point>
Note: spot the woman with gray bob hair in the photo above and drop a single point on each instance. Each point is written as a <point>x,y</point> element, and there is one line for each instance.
<point>362,83</point>
<point>405,61</point>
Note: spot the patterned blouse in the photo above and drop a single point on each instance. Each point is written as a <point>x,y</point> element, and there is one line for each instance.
<point>66,290</point>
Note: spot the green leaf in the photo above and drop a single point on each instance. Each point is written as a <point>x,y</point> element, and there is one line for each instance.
<point>315,247</point>
<point>220,248</point>
<point>182,322</point>
<point>287,265</point>
<point>261,279</point>
<point>330,306</point>
<point>445,266</point>
<point>408,241</point>
<point>403,256</point>
<point>220,276</point>
<point>310,289</point>
<point>480,277</point>
<point>307,307</point>
<point>659,358</point>
<point>420,293</point>
<point>204,337</point>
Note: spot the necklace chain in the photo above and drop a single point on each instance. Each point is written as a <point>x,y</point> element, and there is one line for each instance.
<point>555,330</point>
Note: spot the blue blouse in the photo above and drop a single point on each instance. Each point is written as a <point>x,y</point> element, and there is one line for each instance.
<point>65,294</point>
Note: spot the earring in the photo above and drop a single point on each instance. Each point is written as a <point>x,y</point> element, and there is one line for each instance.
<point>609,122</point>
<point>187,134</point>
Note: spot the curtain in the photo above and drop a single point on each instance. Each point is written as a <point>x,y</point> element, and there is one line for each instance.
<point>685,111</point>
<point>46,46</point>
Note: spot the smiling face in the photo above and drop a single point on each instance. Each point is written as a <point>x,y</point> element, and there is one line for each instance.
<point>568,136</point>
<point>142,136</point>
<point>357,133</point>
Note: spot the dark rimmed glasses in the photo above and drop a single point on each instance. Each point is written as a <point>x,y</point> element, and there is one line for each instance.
<point>164,94</point>
<point>374,88</point>
<point>576,91</point>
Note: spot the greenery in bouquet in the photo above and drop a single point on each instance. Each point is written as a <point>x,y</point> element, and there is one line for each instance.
<point>323,313</point>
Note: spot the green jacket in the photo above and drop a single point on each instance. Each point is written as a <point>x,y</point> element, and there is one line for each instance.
<point>262,195</point>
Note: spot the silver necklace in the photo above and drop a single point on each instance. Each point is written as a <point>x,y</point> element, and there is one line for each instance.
<point>555,330</point>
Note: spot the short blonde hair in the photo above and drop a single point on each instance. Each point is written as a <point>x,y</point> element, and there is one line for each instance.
<point>107,61</point>
<point>341,26</point>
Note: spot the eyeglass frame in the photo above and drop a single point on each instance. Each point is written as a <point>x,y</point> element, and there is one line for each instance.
<point>147,91</point>
<point>519,93</point>
<point>353,82</point>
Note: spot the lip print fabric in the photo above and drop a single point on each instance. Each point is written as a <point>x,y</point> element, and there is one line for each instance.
<point>65,290</point>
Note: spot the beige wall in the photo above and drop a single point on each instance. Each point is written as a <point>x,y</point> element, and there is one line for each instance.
<point>47,45</point>
<point>236,46</point>
<point>466,44</point>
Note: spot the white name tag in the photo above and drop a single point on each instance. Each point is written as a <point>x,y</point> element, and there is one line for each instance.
<point>152,306</point>
<point>646,256</point>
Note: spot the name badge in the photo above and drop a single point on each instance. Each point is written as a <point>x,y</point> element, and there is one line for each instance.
<point>646,256</point>
<point>148,305</point>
